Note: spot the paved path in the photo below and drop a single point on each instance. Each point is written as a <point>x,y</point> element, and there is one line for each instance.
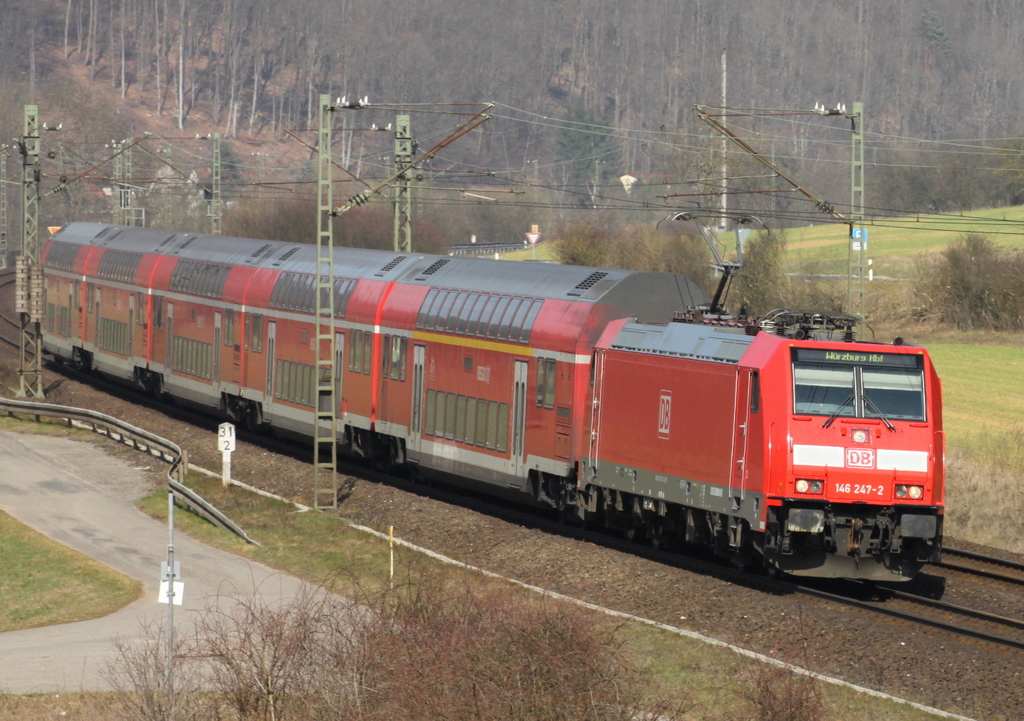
<point>82,497</point>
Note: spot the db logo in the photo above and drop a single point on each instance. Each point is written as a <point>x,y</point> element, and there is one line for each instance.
<point>664,414</point>
<point>860,457</point>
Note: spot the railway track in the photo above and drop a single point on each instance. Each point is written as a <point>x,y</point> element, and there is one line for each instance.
<point>891,602</point>
<point>979,564</point>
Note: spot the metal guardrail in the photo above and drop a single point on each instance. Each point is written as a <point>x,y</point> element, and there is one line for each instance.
<point>140,439</point>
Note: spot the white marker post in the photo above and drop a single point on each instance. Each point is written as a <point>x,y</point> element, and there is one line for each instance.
<point>226,444</point>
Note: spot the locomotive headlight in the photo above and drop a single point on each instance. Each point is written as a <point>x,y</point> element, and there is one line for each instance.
<point>859,435</point>
<point>901,491</point>
<point>915,491</point>
<point>804,485</point>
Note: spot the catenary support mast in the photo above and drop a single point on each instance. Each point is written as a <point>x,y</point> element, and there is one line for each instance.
<point>325,426</point>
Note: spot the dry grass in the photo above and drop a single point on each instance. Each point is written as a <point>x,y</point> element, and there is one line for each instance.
<point>45,583</point>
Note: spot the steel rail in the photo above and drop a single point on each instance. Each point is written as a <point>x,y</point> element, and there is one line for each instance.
<point>539,521</point>
<point>1016,565</point>
<point>138,438</point>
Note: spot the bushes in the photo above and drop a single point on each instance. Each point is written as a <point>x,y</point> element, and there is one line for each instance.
<point>975,285</point>
<point>761,285</point>
<point>428,650</point>
<point>635,248</point>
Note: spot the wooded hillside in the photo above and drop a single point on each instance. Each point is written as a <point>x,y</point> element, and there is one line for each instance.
<point>586,90</point>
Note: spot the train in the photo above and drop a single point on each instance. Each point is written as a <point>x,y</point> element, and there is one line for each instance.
<point>604,394</point>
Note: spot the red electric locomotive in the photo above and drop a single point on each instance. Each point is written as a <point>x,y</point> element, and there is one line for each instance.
<point>570,386</point>
<point>823,457</point>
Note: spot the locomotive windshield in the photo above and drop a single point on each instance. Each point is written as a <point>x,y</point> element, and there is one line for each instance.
<point>842,384</point>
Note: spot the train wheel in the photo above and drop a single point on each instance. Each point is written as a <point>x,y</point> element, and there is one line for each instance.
<point>636,532</point>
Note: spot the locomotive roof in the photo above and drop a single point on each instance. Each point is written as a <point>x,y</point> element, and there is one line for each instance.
<point>684,340</point>
<point>653,295</point>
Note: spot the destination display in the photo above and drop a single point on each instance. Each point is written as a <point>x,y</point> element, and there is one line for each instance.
<point>854,357</point>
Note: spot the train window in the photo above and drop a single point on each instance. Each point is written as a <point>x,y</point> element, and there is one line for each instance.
<point>524,335</point>
<point>435,309</point>
<point>256,331</point>
<point>158,311</point>
<point>446,310</point>
<point>541,371</point>
<point>470,420</point>
<point>549,384</point>
<point>421,319</point>
<point>449,417</point>
<point>547,370</point>
<point>296,290</point>
<point>342,292</point>
<point>492,424</point>
<point>307,295</point>
<point>395,350</point>
<point>229,327</point>
<point>442,406</point>
<point>503,427</point>
<point>140,308</point>
<point>893,393</point>
<point>481,422</point>
<point>453,314</point>
<point>460,419</point>
<point>467,364</point>
<point>367,352</point>
<point>428,420</point>
<point>823,390</point>
<point>479,322</point>
<point>78,295</point>
<point>385,357</point>
<point>755,392</point>
<point>284,300</point>
<point>308,389</point>
<point>516,328</point>
<point>275,293</point>
<point>464,313</point>
<point>437,415</point>
<point>403,345</point>
<point>90,297</point>
<point>492,327</point>
<point>506,319</point>
<point>355,351</point>
<point>476,312</point>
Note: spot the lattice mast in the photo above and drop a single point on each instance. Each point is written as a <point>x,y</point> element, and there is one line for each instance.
<point>325,426</point>
<point>28,273</point>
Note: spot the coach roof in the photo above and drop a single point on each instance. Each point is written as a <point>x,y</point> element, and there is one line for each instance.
<point>653,294</point>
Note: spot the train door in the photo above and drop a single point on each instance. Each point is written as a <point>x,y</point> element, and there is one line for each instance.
<point>131,325</point>
<point>170,338</point>
<point>339,367</point>
<point>416,422</point>
<point>519,419</point>
<point>216,347</point>
<point>596,386</point>
<point>268,391</point>
<point>97,334</point>
<point>741,427</point>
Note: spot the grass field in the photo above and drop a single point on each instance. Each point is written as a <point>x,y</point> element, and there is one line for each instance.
<point>893,245</point>
<point>982,387</point>
<point>44,582</point>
